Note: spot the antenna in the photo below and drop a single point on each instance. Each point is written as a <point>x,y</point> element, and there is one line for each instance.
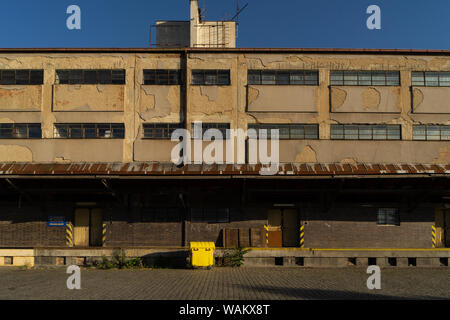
<point>238,11</point>
<point>203,11</point>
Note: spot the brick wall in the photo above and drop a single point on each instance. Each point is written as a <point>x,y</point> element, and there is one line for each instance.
<point>27,227</point>
<point>348,227</point>
<point>245,218</point>
<point>341,227</point>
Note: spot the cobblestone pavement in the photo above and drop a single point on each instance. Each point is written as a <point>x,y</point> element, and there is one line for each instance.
<point>281,283</point>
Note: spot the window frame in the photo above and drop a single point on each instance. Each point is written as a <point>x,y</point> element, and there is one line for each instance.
<point>426,129</point>
<point>72,77</point>
<point>13,127</point>
<point>289,126</point>
<point>359,73</point>
<point>69,127</point>
<point>156,79</point>
<point>424,78</point>
<point>205,72</point>
<point>212,125</point>
<point>358,128</point>
<point>289,72</point>
<point>31,74</point>
<point>387,220</point>
<point>167,128</point>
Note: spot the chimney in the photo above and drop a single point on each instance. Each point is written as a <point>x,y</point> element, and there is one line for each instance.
<point>195,12</point>
<point>194,22</point>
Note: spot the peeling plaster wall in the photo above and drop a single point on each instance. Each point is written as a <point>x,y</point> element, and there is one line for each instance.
<point>160,150</point>
<point>140,104</point>
<point>159,103</point>
<point>292,98</point>
<point>386,152</point>
<point>365,99</point>
<point>213,103</point>
<point>88,97</point>
<point>431,100</point>
<point>13,153</point>
<point>20,98</point>
<point>56,150</point>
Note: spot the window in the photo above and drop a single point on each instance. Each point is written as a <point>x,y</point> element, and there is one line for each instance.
<point>90,130</point>
<point>162,77</point>
<point>388,216</point>
<point>211,77</point>
<point>431,79</point>
<point>431,132</point>
<point>222,127</point>
<point>365,78</point>
<point>283,77</point>
<point>23,77</point>
<point>20,131</point>
<point>210,215</point>
<point>105,76</point>
<point>286,131</point>
<point>365,132</point>
<point>160,130</point>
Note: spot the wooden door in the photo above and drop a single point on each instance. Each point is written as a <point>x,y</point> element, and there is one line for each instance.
<point>81,227</point>
<point>290,228</point>
<point>274,218</point>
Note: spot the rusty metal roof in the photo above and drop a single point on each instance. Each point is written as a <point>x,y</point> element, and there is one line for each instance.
<point>147,169</point>
<point>230,50</point>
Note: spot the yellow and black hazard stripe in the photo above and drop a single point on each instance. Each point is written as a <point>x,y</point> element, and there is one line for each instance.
<point>104,234</point>
<point>302,236</point>
<point>267,234</point>
<point>69,234</point>
<point>433,236</point>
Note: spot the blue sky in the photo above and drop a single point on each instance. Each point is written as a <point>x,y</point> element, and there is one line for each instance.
<point>412,24</point>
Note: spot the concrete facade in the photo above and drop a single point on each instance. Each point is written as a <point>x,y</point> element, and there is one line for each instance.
<point>238,104</point>
<point>336,213</point>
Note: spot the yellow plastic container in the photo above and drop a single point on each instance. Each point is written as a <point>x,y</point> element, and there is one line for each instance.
<point>202,254</point>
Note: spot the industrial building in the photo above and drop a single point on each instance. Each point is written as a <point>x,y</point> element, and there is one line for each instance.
<point>364,152</point>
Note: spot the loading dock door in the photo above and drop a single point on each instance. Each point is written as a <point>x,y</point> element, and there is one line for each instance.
<point>87,227</point>
<point>283,227</point>
<point>290,228</point>
<point>81,228</point>
<point>95,236</point>
<point>447,228</point>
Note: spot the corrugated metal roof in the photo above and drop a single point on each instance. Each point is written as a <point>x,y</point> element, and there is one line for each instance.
<point>169,169</point>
